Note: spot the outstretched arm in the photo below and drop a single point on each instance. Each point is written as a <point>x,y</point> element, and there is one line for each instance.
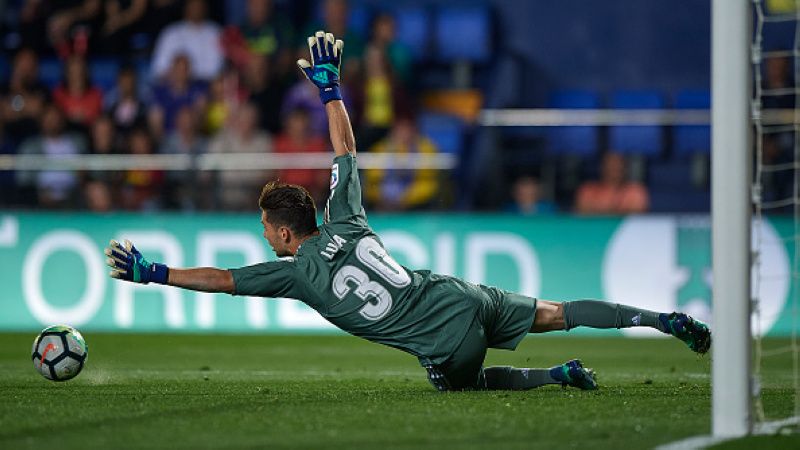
<point>323,72</point>
<point>206,279</point>
<point>128,264</point>
<point>340,129</point>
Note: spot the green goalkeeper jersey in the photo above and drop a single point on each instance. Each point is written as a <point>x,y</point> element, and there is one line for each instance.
<point>346,275</point>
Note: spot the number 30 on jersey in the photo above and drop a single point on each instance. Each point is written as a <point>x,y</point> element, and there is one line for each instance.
<point>378,300</point>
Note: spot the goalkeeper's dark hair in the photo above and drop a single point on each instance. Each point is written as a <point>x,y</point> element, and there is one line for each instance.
<point>289,205</point>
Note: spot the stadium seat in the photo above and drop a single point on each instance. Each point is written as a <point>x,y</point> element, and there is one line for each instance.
<point>413,30</point>
<point>235,11</point>
<point>573,140</point>
<point>692,139</point>
<point>103,73</point>
<point>463,34</point>
<point>673,188</point>
<point>644,140</point>
<point>5,69</point>
<point>680,202</point>
<point>50,72</point>
<point>446,131</point>
<point>359,16</point>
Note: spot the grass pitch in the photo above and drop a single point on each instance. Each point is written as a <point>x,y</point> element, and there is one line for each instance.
<point>222,391</point>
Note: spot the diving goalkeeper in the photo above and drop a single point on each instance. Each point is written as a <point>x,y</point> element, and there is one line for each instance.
<point>341,269</point>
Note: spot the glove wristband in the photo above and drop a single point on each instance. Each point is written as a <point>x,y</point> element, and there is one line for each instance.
<point>159,273</point>
<point>329,94</point>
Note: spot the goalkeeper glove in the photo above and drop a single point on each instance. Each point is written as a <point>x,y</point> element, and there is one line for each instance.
<point>128,264</point>
<point>326,60</point>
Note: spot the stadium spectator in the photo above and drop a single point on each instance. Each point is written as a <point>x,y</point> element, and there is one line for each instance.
<point>194,36</point>
<point>70,25</point>
<point>122,20</point>
<point>186,189</point>
<point>268,33</point>
<point>265,90</point>
<point>384,37</point>
<point>299,138</point>
<point>526,193</point>
<point>402,189</point>
<point>224,95</point>
<point>78,99</point>
<point>778,75</point>
<point>141,188</point>
<point>174,92</point>
<point>124,102</point>
<point>103,137</point>
<point>23,97</point>
<point>335,16</point>
<point>377,98</point>
<point>302,96</point>
<point>235,188</point>
<point>53,188</point>
<point>185,139</point>
<point>613,193</point>
<point>97,196</point>
<point>104,141</point>
<point>8,184</point>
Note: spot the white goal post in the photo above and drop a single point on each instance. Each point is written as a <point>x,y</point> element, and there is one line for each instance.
<point>731,206</point>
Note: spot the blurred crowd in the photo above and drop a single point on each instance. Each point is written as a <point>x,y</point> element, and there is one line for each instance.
<point>185,84</point>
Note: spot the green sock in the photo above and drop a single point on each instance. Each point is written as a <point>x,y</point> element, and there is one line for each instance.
<point>507,378</point>
<point>599,314</point>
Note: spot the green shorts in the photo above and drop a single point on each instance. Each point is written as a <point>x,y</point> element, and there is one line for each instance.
<point>502,322</point>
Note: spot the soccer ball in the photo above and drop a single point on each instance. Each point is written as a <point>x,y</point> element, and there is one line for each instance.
<point>59,353</point>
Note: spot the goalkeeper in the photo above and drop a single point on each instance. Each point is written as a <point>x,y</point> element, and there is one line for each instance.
<point>341,269</point>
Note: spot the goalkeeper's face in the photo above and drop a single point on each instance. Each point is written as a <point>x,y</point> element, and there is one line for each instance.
<point>279,237</point>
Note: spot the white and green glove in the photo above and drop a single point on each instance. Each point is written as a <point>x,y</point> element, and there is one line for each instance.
<point>326,62</point>
<point>128,264</point>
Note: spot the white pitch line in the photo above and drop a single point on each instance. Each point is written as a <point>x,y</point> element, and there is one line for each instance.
<point>700,442</point>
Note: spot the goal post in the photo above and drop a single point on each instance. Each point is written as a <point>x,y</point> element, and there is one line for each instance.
<point>731,205</point>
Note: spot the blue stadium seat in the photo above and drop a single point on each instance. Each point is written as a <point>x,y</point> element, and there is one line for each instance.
<point>103,73</point>
<point>692,139</point>
<point>463,34</point>
<point>413,30</point>
<point>446,131</point>
<point>672,176</point>
<point>672,189</point>
<point>359,17</point>
<point>5,69</point>
<point>643,140</point>
<point>576,140</point>
<point>50,72</point>
<point>235,11</point>
<point>662,201</point>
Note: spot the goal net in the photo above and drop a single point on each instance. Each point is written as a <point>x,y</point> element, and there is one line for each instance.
<point>775,108</point>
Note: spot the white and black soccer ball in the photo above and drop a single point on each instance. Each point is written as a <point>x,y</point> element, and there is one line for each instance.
<point>59,353</point>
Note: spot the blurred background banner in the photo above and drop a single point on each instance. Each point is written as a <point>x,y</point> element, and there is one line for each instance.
<point>52,267</point>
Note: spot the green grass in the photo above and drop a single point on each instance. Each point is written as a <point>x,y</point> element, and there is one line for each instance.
<point>194,391</point>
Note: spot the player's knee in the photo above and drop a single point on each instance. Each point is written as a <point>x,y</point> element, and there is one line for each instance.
<point>549,316</point>
<point>437,378</point>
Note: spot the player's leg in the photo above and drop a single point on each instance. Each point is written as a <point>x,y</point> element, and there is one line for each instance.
<point>507,318</point>
<point>462,370</point>
<point>598,314</point>
<point>571,373</point>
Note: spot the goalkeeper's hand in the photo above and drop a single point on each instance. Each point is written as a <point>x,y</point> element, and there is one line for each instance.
<point>128,264</point>
<point>326,61</point>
